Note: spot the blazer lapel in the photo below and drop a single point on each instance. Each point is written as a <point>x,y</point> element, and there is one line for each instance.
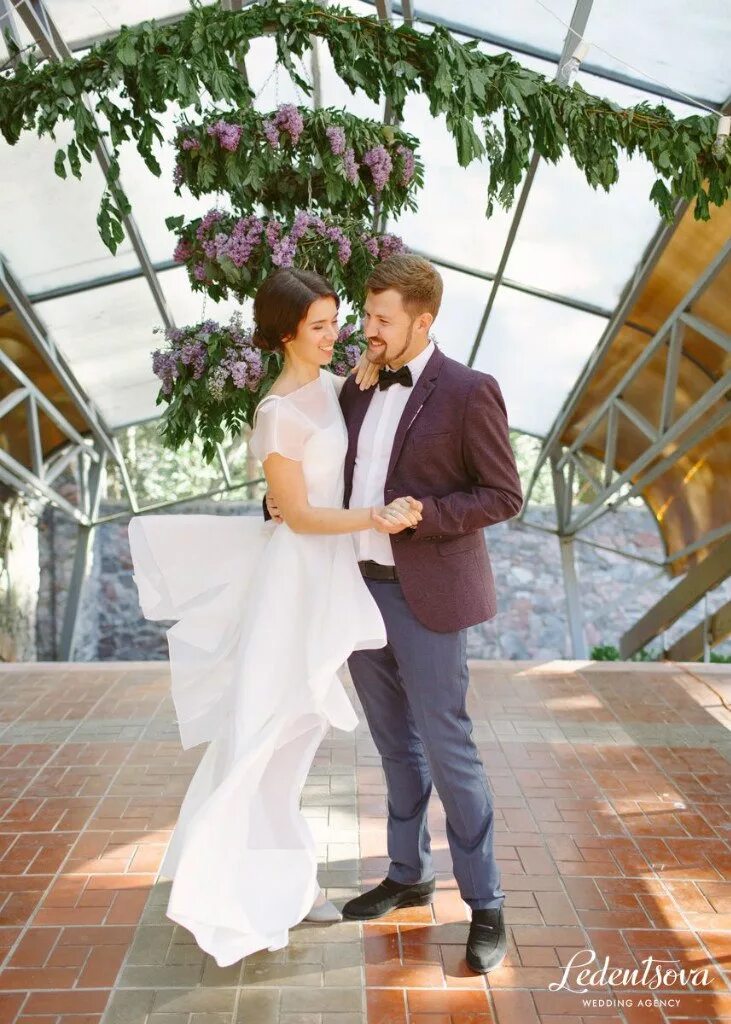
<point>354,406</point>
<point>421,391</point>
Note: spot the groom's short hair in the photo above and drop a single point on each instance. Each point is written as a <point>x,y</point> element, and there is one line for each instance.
<point>414,278</point>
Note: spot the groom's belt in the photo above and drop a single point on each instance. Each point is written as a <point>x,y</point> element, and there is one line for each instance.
<point>376,571</point>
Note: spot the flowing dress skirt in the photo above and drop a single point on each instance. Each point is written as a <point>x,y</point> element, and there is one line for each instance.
<point>266,617</point>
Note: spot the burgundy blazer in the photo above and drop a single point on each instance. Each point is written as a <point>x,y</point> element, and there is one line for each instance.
<point>452,452</point>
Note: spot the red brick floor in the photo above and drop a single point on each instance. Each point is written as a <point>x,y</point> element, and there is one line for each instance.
<point>613,800</point>
<point>615,841</point>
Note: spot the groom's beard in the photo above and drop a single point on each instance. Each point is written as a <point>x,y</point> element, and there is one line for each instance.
<point>384,359</point>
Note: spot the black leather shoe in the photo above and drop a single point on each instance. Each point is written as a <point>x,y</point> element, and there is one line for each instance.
<point>388,896</point>
<point>486,943</point>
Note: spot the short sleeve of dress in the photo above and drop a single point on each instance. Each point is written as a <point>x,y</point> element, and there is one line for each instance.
<point>278,427</point>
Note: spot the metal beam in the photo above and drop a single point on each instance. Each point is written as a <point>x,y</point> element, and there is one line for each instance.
<point>49,39</point>
<point>708,574</point>
<point>708,633</point>
<point>695,412</point>
<point>174,502</point>
<point>573,598</point>
<point>80,568</point>
<point>579,19</point>
<point>704,280</point>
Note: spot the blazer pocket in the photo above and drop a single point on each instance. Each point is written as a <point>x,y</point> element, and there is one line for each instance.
<point>468,542</point>
<point>432,440</point>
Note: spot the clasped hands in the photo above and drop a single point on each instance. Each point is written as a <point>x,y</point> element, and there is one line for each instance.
<point>400,514</point>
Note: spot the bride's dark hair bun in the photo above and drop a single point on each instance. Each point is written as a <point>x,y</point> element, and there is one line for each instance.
<point>281,304</point>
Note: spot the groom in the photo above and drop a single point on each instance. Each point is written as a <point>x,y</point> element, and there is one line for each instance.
<point>438,431</point>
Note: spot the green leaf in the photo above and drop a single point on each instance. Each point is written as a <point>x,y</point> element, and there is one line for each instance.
<point>59,165</point>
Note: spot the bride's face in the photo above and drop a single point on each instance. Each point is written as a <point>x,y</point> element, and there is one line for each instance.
<point>316,333</point>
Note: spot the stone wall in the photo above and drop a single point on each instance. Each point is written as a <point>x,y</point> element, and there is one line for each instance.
<point>531,622</point>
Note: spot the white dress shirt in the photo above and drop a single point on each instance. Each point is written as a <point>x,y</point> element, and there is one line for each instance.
<point>375,442</point>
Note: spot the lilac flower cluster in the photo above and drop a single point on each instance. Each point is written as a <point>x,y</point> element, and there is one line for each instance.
<point>165,366</point>
<point>284,249</point>
<point>228,135</point>
<point>336,138</point>
<point>189,143</point>
<point>244,238</point>
<point>241,362</point>
<point>193,354</point>
<point>351,166</point>
<point>407,159</point>
<point>287,119</point>
<point>378,160</point>
<point>352,354</point>
<point>183,251</point>
<point>207,222</point>
<point>371,244</point>
<point>389,245</point>
<point>178,173</point>
<point>345,332</point>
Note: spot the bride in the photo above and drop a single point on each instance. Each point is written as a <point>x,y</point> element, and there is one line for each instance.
<point>267,613</point>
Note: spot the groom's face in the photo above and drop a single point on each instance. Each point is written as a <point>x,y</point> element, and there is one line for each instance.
<point>390,329</point>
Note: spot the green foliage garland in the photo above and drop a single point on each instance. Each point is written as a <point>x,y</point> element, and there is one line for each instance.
<point>152,65</point>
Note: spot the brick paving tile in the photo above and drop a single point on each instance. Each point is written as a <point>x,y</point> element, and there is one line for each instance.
<point>614,838</point>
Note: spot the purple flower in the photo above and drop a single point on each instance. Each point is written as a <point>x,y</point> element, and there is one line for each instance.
<point>272,134</point>
<point>336,138</point>
<point>344,249</point>
<point>200,272</point>
<point>345,332</point>
<point>178,174</point>
<point>351,166</point>
<point>193,354</point>
<point>283,251</point>
<point>379,161</point>
<point>288,119</point>
<point>228,135</point>
<point>371,244</point>
<point>389,245</point>
<point>190,143</point>
<point>244,238</point>
<point>300,225</point>
<point>352,354</point>
<point>211,218</point>
<point>407,157</point>
<point>273,231</point>
<point>183,251</point>
<point>165,366</point>
<point>339,368</point>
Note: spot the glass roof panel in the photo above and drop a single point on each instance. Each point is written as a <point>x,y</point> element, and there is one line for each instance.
<point>683,45</point>
<point>49,233</point>
<point>79,20</point>
<point>535,348</point>
<point>106,335</point>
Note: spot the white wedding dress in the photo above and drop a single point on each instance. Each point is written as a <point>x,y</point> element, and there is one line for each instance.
<point>266,618</point>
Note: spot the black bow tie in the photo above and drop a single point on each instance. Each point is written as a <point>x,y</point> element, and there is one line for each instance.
<point>388,377</point>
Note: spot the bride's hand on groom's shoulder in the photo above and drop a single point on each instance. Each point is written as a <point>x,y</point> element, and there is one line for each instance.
<point>401,514</point>
<point>366,373</point>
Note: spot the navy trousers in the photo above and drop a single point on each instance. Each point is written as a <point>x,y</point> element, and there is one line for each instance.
<point>413,692</point>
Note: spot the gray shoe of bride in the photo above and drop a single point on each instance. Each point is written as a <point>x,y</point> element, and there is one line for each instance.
<point>325,913</point>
